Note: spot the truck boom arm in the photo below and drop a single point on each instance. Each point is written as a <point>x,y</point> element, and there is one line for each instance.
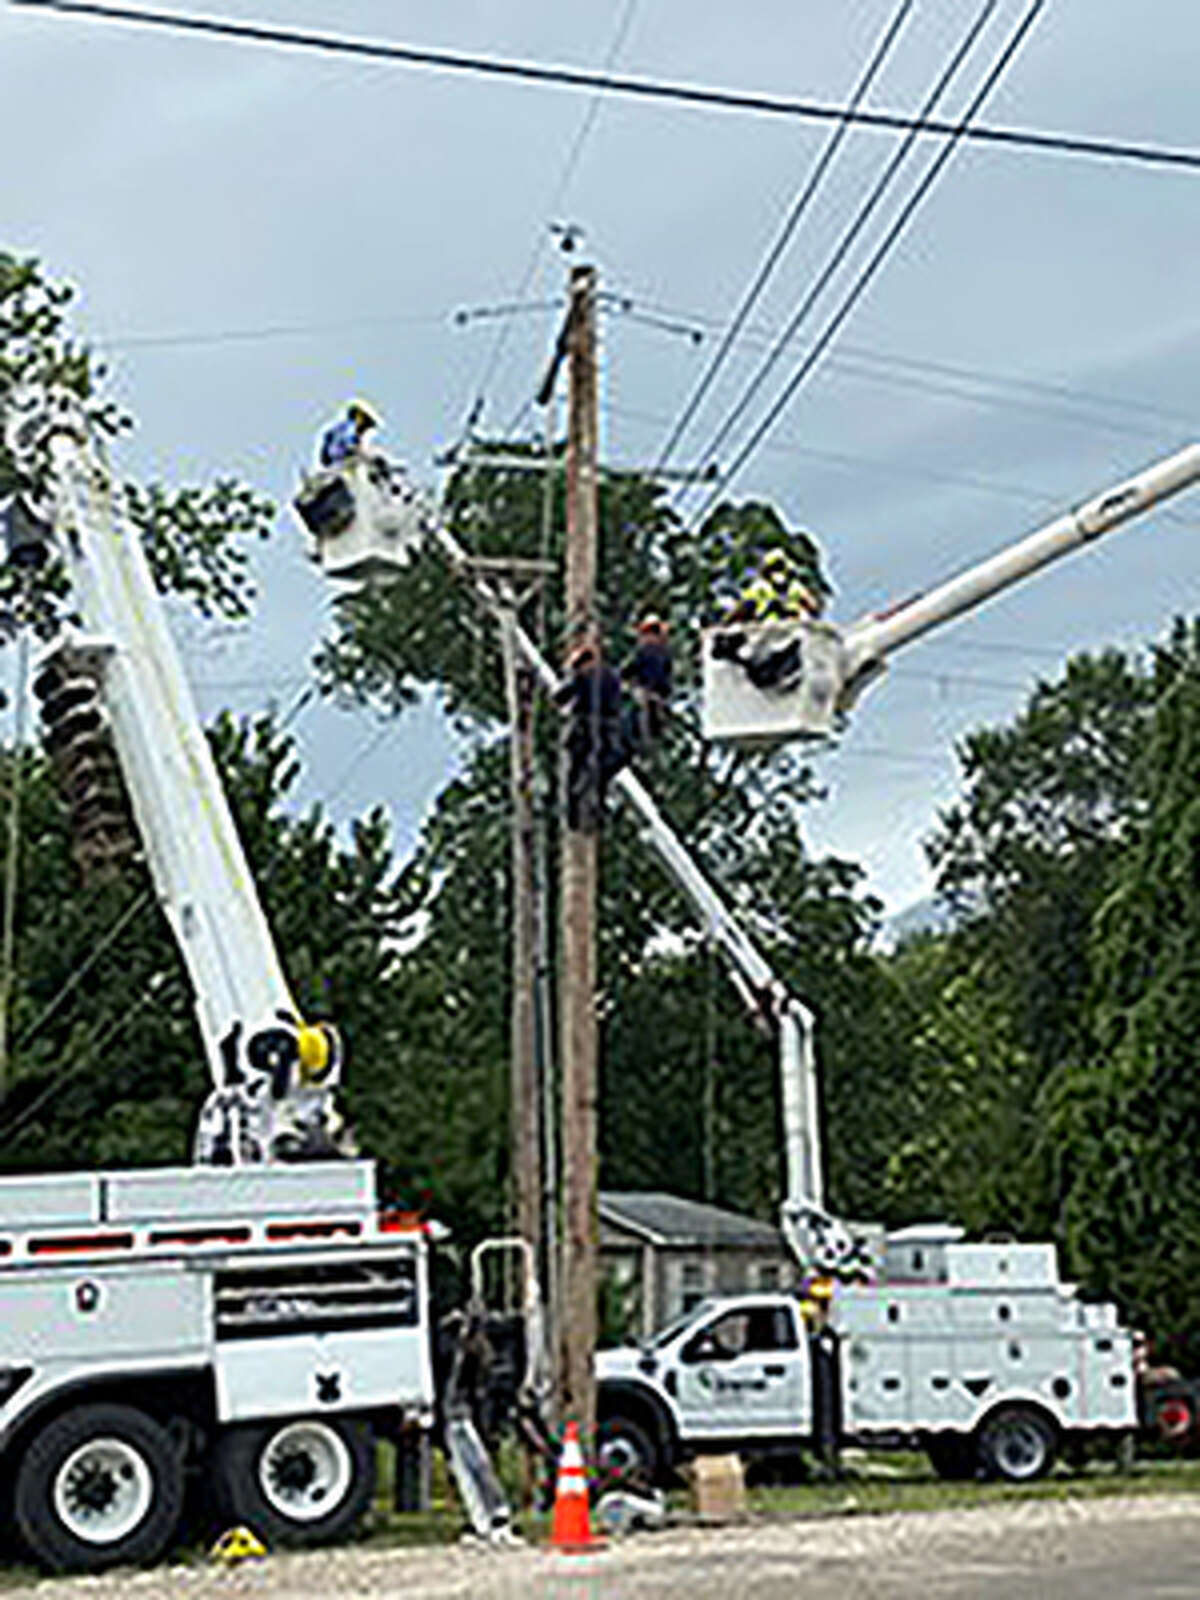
<point>267,1068</point>
<point>814,1236</point>
<point>766,682</point>
<point>868,642</point>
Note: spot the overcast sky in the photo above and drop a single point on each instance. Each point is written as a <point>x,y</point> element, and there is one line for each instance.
<point>259,233</point>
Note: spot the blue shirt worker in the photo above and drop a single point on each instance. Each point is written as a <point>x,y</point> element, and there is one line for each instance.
<point>649,675</point>
<point>595,743</point>
<point>346,438</point>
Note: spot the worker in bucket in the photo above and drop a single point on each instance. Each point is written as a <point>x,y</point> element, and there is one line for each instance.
<point>591,695</point>
<point>347,437</point>
<point>775,595</point>
<point>648,675</point>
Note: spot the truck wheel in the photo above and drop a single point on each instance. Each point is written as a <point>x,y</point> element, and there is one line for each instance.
<point>302,1481</point>
<point>625,1449</point>
<point>952,1456</point>
<point>100,1486</point>
<point>1018,1444</point>
<point>1174,1418</point>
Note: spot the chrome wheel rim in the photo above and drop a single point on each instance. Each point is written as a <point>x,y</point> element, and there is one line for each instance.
<point>305,1471</point>
<point>103,1491</point>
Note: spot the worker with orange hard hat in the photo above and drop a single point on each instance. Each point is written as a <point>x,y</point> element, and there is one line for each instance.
<point>591,694</point>
<point>649,675</point>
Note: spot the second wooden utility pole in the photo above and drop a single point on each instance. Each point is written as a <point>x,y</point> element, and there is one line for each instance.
<point>578,890</point>
<point>526,1087</point>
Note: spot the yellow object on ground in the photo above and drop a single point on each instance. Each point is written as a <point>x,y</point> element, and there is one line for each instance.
<point>237,1544</point>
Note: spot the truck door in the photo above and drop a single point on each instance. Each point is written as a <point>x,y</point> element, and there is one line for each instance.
<point>744,1373</point>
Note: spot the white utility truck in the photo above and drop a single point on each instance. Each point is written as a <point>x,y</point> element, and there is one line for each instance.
<point>252,1320</point>
<point>975,1352</point>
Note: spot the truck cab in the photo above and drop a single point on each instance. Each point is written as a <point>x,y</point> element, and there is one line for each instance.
<point>731,1374</point>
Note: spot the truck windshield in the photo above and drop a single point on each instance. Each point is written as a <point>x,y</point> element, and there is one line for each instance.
<point>677,1325</point>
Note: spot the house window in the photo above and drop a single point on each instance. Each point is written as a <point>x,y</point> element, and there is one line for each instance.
<point>767,1275</point>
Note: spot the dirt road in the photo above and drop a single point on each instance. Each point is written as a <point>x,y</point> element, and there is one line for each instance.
<point>1101,1549</point>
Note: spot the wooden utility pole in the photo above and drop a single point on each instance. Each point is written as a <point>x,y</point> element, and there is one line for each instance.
<point>526,1103</point>
<point>578,890</point>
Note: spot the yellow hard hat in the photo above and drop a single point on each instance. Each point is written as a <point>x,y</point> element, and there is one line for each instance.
<point>361,410</point>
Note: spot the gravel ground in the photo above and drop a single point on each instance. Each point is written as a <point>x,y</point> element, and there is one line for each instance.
<point>1028,1548</point>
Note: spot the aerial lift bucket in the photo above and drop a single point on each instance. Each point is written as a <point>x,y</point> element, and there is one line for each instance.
<point>764,682</point>
<point>364,518</point>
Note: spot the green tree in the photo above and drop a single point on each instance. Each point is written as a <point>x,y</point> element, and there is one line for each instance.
<point>1126,1116</point>
<point>1049,804</point>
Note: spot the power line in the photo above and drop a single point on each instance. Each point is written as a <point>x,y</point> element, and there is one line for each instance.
<point>856,462</point>
<point>367,748</point>
<point>75,1068</point>
<point>848,353</point>
<point>138,903</point>
<point>845,244</point>
<point>151,341</point>
<point>1028,139</point>
<point>890,238</point>
<point>783,238</point>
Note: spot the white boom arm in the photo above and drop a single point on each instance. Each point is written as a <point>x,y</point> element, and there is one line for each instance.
<point>815,1238</point>
<point>868,642</point>
<point>258,1051</point>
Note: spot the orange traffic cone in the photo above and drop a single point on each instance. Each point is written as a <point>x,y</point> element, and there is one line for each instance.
<point>571,1529</point>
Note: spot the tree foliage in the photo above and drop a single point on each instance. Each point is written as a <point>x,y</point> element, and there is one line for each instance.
<point>1055,1065</point>
<point>194,535</point>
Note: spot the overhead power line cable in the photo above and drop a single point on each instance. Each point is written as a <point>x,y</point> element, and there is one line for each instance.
<point>859,287</point>
<point>850,354</point>
<point>747,100</point>
<point>784,237</point>
<point>848,239</point>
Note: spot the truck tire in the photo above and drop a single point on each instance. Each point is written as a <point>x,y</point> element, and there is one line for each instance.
<point>626,1449</point>
<point>296,1480</point>
<point>100,1486</point>
<point>1018,1444</point>
<point>953,1456</point>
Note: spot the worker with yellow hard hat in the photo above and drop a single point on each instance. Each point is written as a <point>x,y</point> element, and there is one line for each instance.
<point>346,437</point>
